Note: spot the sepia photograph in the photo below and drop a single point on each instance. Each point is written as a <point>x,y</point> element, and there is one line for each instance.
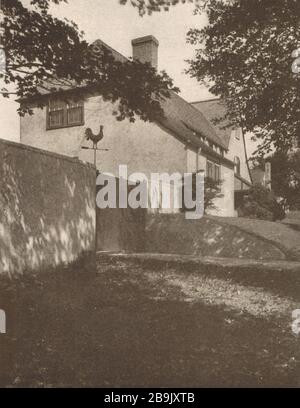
<point>149,196</point>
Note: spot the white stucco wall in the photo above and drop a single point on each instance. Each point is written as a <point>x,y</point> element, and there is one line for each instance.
<point>142,146</point>
<point>225,204</point>
<point>237,148</point>
<point>191,161</point>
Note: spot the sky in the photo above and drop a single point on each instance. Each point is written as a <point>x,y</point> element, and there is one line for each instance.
<point>117,25</point>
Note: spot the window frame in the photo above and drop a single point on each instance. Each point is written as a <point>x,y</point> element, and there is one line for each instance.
<point>65,109</point>
<point>216,171</point>
<point>210,164</point>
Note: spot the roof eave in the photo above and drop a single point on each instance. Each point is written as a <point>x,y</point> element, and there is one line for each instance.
<point>197,144</point>
<point>243,180</point>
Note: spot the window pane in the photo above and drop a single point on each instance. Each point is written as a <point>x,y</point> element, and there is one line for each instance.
<point>72,104</point>
<point>209,169</point>
<point>56,118</point>
<point>75,115</point>
<point>65,113</point>
<point>56,104</point>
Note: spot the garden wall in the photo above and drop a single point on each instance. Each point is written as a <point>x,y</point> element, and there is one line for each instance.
<point>47,208</point>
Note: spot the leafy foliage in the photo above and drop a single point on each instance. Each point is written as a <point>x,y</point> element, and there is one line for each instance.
<point>261,203</point>
<point>286,178</point>
<point>150,6</point>
<point>45,54</point>
<point>212,190</point>
<point>244,55</point>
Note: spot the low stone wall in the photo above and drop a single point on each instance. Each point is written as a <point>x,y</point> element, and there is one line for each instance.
<point>47,208</point>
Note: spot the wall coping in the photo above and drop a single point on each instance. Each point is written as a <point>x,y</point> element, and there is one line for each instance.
<point>22,146</point>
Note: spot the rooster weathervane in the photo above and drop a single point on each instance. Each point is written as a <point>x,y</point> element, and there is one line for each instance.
<point>95,139</point>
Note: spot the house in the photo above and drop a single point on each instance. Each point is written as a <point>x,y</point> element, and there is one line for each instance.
<point>183,141</point>
<point>232,137</point>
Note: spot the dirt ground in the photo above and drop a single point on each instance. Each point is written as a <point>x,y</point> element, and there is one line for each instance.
<point>122,324</point>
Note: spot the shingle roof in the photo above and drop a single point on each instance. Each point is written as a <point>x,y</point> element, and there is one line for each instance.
<point>215,110</point>
<point>187,120</point>
<point>116,54</point>
<point>180,117</point>
<point>66,85</point>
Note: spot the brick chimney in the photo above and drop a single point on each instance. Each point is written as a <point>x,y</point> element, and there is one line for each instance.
<point>145,49</point>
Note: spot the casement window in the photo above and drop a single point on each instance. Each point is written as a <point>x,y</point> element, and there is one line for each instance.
<point>213,171</point>
<point>217,173</point>
<point>210,169</point>
<point>62,114</point>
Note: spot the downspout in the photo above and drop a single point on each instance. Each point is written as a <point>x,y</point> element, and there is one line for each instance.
<point>197,159</point>
<point>246,155</point>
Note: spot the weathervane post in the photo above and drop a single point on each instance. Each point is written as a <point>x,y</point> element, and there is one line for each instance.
<point>89,135</point>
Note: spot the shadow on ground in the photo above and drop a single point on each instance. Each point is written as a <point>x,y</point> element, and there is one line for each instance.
<point>122,325</point>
